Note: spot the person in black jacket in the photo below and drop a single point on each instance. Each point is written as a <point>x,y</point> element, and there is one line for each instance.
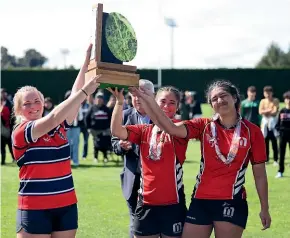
<point>98,120</point>
<point>130,176</point>
<point>283,126</point>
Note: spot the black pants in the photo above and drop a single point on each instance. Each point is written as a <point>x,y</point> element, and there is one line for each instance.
<point>271,137</point>
<point>96,153</point>
<point>5,141</point>
<point>101,143</point>
<point>132,204</point>
<point>283,143</point>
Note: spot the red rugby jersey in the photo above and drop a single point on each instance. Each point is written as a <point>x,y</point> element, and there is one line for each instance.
<point>217,180</point>
<point>161,180</point>
<point>45,173</point>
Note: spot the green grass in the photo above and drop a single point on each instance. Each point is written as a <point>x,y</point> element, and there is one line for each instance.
<point>102,208</point>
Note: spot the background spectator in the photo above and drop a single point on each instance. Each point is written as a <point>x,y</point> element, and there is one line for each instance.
<point>268,108</point>
<point>98,121</point>
<point>250,107</point>
<point>48,106</point>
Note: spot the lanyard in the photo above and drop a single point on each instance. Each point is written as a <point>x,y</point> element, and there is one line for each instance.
<point>234,144</point>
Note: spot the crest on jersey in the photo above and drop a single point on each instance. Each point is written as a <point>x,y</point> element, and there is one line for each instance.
<point>46,139</point>
<point>243,142</point>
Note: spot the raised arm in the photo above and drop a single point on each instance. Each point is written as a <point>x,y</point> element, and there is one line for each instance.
<point>158,116</point>
<point>60,112</point>
<point>79,83</point>
<point>117,129</point>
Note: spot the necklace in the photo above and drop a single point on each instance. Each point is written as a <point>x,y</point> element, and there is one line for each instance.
<point>234,147</point>
<point>155,148</point>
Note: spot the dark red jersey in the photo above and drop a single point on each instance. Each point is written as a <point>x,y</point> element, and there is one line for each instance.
<point>217,180</point>
<point>45,173</point>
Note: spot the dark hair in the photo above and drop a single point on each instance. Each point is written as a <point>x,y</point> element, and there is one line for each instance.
<point>170,89</point>
<point>286,95</point>
<point>48,99</point>
<point>3,90</point>
<point>268,89</point>
<point>182,97</point>
<point>252,89</point>
<point>228,87</point>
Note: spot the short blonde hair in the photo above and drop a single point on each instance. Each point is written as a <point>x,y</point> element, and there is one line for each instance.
<point>17,100</point>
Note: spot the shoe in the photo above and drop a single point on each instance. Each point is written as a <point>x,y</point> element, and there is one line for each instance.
<point>96,160</point>
<point>275,164</point>
<point>106,160</point>
<point>84,158</point>
<point>279,175</point>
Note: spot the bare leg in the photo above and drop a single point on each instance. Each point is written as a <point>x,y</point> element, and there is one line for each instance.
<point>196,231</point>
<point>224,229</point>
<point>64,234</point>
<point>23,234</point>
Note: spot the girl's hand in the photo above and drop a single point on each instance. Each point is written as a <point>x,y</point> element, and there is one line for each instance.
<point>265,219</point>
<point>91,86</point>
<point>142,93</point>
<point>88,56</point>
<point>119,95</point>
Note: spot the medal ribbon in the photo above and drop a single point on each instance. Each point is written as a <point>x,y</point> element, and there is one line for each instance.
<point>155,148</point>
<point>234,144</point>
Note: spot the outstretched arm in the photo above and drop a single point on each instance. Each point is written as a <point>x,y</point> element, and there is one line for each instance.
<point>60,112</point>
<point>157,115</point>
<point>117,129</point>
<point>78,84</point>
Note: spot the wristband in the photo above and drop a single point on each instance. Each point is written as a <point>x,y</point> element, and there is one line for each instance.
<point>84,92</point>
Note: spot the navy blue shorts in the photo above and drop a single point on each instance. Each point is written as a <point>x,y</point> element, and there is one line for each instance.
<point>205,212</point>
<point>153,220</point>
<point>48,220</point>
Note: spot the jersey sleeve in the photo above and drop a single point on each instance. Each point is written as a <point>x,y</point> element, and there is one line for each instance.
<point>134,133</point>
<point>22,135</point>
<point>258,147</point>
<point>195,127</point>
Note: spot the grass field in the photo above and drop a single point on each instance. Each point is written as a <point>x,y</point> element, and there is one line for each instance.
<point>102,208</point>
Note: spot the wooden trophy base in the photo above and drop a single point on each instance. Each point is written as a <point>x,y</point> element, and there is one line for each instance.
<point>111,78</point>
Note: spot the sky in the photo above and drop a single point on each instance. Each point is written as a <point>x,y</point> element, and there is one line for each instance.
<point>209,33</point>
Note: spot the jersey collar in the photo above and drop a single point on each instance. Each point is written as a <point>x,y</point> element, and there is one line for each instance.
<point>216,119</point>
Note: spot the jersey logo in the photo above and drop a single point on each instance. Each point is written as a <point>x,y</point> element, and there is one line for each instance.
<point>243,142</point>
<point>228,212</point>
<point>46,139</point>
<point>177,227</point>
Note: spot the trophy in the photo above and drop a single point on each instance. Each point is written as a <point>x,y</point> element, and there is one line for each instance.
<point>114,42</point>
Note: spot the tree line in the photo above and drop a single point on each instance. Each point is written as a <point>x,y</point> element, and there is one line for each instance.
<point>31,59</point>
<point>274,57</point>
